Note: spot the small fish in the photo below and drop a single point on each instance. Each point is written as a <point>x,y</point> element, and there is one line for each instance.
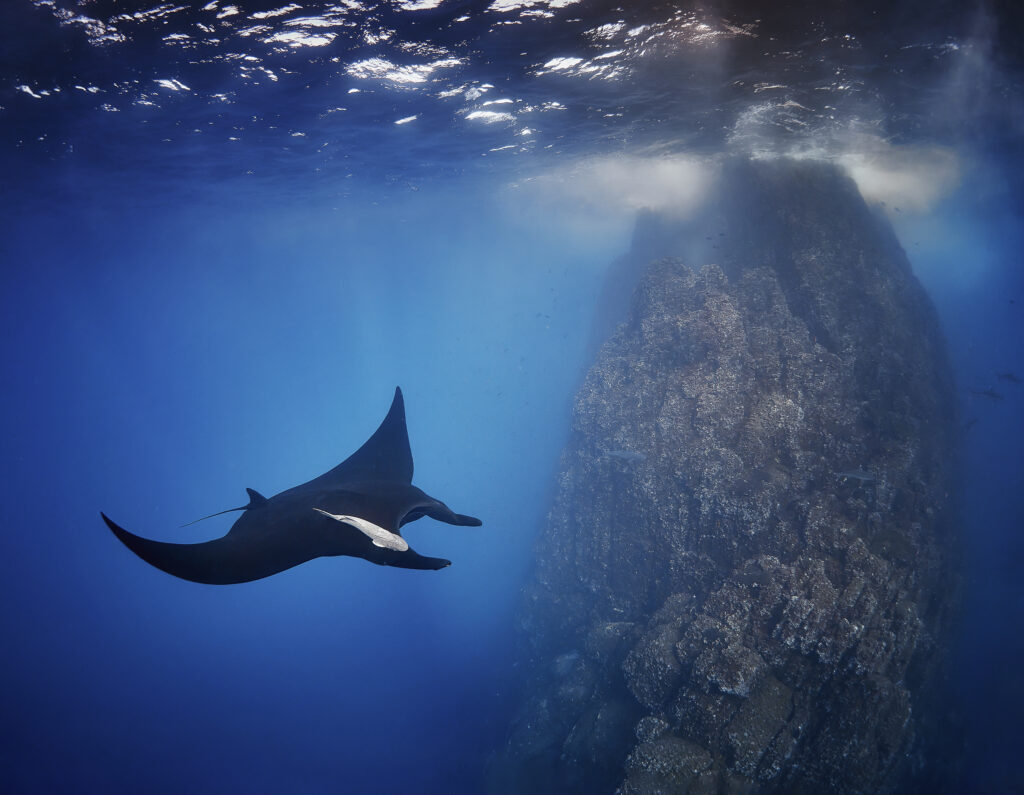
<point>991,394</point>
<point>970,424</point>
<point>564,663</point>
<point>625,455</point>
<point>377,534</point>
<point>1011,377</point>
<point>856,474</point>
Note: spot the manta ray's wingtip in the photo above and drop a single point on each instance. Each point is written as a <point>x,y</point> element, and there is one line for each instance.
<point>116,529</point>
<point>397,409</point>
<point>122,535</point>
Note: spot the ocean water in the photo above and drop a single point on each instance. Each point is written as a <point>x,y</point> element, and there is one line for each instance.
<point>230,229</point>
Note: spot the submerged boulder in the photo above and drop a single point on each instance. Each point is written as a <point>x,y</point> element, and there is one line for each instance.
<point>746,580</point>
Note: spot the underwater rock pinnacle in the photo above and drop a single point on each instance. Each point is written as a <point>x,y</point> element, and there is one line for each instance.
<point>720,612</point>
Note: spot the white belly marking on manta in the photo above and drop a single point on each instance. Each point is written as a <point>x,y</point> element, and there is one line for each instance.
<point>378,535</point>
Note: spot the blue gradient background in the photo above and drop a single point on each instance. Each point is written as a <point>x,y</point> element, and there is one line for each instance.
<point>169,338</point>
<point>162,359</point>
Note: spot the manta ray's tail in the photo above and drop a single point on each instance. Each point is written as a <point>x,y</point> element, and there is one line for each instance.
<point>255,500</point>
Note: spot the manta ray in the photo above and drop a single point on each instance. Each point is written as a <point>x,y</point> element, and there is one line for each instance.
<point>356,509</point>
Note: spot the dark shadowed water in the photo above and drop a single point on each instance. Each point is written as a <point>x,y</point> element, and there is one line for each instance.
<point>230,229</point>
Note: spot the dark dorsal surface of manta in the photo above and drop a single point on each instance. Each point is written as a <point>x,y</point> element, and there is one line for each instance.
<point>356,509</point>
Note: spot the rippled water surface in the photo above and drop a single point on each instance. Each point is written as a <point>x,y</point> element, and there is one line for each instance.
<point>403,88</point>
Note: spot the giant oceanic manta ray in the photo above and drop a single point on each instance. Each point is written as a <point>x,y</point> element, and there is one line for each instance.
<point>358,509</point>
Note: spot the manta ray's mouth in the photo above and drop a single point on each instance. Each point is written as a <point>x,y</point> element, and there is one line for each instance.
<point>377,534</point>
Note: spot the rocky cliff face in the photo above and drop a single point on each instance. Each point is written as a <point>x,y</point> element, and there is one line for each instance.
<point>745,581</point>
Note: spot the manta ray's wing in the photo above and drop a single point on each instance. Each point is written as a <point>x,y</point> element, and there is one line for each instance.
<point>219,562</point>
<point>384,456</point>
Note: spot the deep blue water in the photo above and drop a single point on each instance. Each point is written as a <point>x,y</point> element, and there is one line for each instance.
<point>220,253</point>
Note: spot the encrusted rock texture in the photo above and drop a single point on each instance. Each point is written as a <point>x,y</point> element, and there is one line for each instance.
<point>748,575</point>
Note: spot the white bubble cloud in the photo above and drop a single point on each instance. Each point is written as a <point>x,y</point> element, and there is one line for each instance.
<point>673,184</point>
<point>598,197</point>
<point>904,178</point>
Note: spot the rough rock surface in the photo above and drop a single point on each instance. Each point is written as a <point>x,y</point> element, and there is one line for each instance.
<point>716,607</point>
